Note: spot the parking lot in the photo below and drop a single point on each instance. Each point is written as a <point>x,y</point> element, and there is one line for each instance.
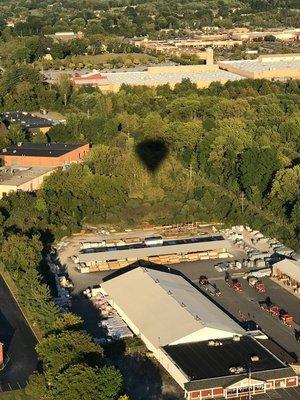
<point>19,343</point>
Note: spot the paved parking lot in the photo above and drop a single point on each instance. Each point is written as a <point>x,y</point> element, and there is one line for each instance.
<point>19,343</point>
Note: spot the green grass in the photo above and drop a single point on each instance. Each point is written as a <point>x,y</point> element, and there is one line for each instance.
<point>14,395</point>
<point>98,60</point>
<point>104,58</point>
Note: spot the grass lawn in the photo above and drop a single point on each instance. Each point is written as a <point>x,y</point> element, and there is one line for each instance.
<point>14,395</point>
<point>98,60</point>
<point>104,58</point>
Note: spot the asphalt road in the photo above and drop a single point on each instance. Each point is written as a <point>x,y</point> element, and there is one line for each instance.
<point>19,343</point>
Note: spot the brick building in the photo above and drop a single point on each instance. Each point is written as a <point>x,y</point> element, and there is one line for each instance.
<point>43,154</point>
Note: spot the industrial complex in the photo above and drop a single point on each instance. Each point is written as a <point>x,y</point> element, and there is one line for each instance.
<point>272,67</point>
<point>207,353</point>
<point>217,309</point>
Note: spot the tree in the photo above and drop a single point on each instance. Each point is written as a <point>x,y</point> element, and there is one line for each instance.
<point>36,387</point>
<point>64,88</point>
<point>59,351</point>
<point>80,381</point>
<point>21,253</point>
<point>15,134</point>
<point>286,185</point>
<point>257,168</point>
<point>67,321</point>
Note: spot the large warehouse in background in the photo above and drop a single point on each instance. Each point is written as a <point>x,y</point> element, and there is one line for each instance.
<point>204,350</point>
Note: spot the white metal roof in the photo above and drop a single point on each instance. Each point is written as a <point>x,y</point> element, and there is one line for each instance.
<point>166,308</point>
<point>146,78</point>
<point>289,267</point>
<point>262,66</point>
<point>144,252</point>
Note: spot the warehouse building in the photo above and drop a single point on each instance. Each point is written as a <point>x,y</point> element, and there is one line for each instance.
<point>28,122</point>
<point>26,179</point>
<point>43,154</point>
<point>170,251</point>
<point>201,75</point>
<point>288,272</point>
<point>207,353</point>
<point>278,66</point>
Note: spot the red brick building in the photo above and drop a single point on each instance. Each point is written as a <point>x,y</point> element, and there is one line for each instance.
<point>43,154</point>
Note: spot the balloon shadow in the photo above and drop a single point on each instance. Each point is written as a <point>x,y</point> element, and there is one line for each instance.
<point>152,153</point>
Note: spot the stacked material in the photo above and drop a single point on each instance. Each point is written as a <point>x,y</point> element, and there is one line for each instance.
<point>113,324</point>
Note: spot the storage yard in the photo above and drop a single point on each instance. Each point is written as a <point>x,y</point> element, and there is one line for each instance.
<point>103,256</point>
<point>239,284</point>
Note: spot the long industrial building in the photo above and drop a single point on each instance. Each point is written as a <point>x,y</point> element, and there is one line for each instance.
<point>201,75</point>
<point>207,353</point>
<point>277,66</point>
<point>169,251</point>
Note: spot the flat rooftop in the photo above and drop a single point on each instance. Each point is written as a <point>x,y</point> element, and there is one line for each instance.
<point>39,149</point>
<point>140,250</point>
<point>146,78</point>
<point>26,120</point>
<point>19,176</point>
<point>263,66</point>
<point>200,361</point>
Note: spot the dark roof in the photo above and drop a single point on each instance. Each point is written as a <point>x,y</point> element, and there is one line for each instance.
<point>200,361</point>
<point>26,120</point>
<point>278,351</point>
<point>39,149</point>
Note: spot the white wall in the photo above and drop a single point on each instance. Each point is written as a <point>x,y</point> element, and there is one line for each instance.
<point>204,334</point>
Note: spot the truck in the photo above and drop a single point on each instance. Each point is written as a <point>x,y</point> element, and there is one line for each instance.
<point>274,310</point>
<point>257,284</point>
<point>286,318</point>
<point>237,286</point>
<point>270,308</point>
<point>212,290</point>
<point>203,280</point>
<point>260,273</point>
